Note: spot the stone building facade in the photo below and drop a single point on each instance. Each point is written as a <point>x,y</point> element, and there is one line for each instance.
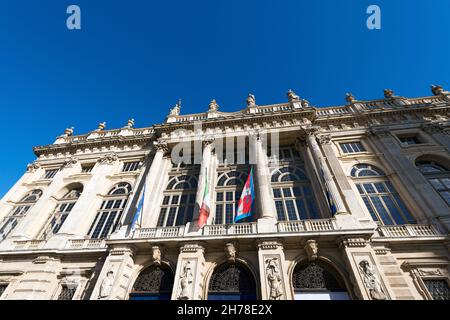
<point>350,202</point>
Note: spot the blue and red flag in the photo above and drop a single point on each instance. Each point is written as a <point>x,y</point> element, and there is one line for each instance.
<point>244,209</point>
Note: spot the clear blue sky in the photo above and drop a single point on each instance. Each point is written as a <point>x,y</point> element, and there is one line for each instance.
<point>135,58</point>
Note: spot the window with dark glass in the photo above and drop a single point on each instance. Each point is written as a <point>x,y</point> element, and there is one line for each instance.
<point>409,140</point>
<point>438,289</point>
<point>178,203</point>
<point>228,192</point>
<point>19,212</point>
<point>67,292</point>
<point>438,176</point>
<point>86,168</point>
<point>63,208</point>
<point>50,174</point>
<point>379,195</point>
<point>130,166</point>
<point>108,217</point>
<point>3,287</point>
<point>352,147</point>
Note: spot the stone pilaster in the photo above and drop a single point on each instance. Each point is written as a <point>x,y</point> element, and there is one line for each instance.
<point>153,185</point>
<point>364,269</point>
<point>341,179</point>
<point>189,276</point>
<point>114,281</point>
<point>39,282</point>
<point>80,217</point>
<point>273,271</point>
<point>426,200</point>
<point>34,172</point>
<point>37,217</point>
<point>323,166</point>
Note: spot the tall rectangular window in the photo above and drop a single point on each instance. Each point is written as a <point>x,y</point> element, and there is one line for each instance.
<point>352,147</point>
<point>409,140</point>
<point>3,287</point>
<point>67,292</point>
<point>130,166</point>
<point>438,289</point>
<point>50,174</point>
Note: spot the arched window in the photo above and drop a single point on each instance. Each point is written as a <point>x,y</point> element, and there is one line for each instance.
<point>153,283</point>
<point>438,176</point>
<point>179,200</point>
<point>18,213</point>
<point>228,191</point>
<point>318,281</point>
<point>380,196</point>
<point>110,212</point>
<point>293,195</point>
<point>232,281</point>
<point>63,209</point>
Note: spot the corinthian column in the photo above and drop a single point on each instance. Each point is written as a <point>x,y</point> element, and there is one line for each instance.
<point>153,185</point>
<point>265,205</point>
<point>206,168</point>
<point>310,135</point>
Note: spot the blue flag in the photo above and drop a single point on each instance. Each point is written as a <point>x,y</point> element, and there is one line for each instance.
<point>137,216</point>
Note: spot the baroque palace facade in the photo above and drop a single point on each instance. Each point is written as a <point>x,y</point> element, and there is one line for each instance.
<point>351,202</point>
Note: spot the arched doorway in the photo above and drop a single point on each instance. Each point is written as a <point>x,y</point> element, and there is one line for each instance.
<point>153,283</point>
<point>318,281</point>
<point>232,281</point>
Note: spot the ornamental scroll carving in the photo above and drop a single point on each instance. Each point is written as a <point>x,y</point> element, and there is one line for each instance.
<point>32,167</point>
<point>108,158</point>
<point>371,280</point>
<point>69,163</point>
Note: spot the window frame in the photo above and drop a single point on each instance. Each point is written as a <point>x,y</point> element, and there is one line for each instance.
<point>442,174</point>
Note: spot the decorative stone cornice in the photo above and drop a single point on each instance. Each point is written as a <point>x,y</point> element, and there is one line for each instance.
<point>380,131</point>
<point>108,158</point>
<point>192,247</point>
<point>119,251</point>
<point>269,244</point>
<point>349,242</point>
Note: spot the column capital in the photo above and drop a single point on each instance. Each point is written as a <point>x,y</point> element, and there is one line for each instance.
<point>192,247</point>
<point>161,146</point>
<point>307,131</point>
<point>346,242</point>
<point>208,141</point>
<point>270,244</point>
<point>324,138</point>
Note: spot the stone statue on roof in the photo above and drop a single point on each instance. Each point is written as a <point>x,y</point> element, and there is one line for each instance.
<point>213,106</point>
<point>292,96</point>
<point>251,101</point>
<point>175,111</point>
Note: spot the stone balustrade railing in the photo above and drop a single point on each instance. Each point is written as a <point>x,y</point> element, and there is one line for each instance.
<point>230,229</point>
<point>409,230</point>
<point>29,244</point>
<point>161,232</point>
<point>86,244</point>
<point>313,225</point>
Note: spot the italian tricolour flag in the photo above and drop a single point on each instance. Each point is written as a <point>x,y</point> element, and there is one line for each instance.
<point>206,204</point>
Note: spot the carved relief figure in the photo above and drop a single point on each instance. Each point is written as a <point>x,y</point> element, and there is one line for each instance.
<point>311,249</point>
<point>185,281</point>
<point>106,286</point>
<point>230,251</point>
<point>274,279</point>
<point>156,255</point>
<point>371,281</point>
<point>251,102</point>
